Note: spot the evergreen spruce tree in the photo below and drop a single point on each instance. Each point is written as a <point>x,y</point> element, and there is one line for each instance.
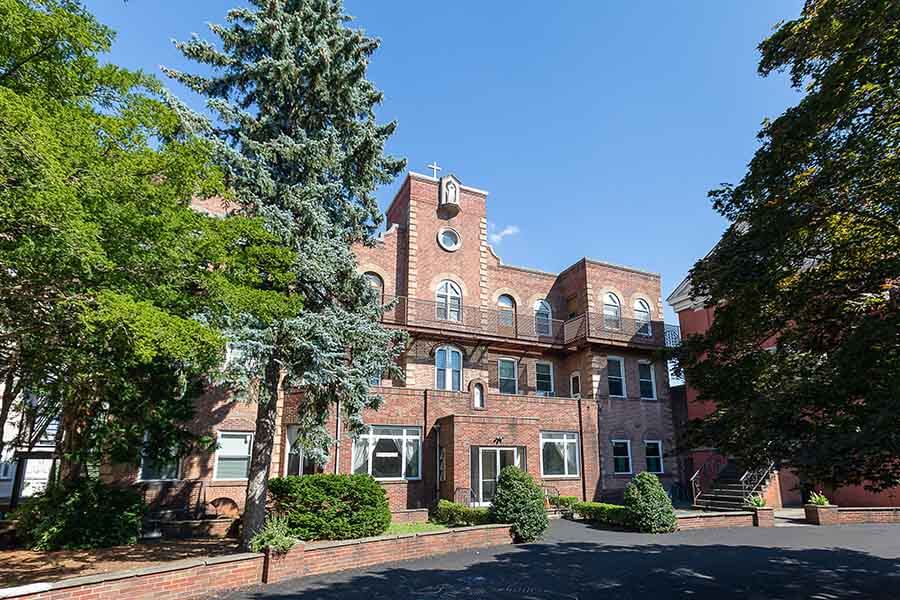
<point>301,148</point>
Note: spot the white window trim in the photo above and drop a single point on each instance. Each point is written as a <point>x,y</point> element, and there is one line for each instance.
<point>8,470</point>
<point>454,290</point>
<point>440,239</point>
<point>475,386</point>
<point>448,379</point>
<point>552,392</point>
<point>648,332</point>
<point>572,376</point>
<point>630,457</point>
<point>652,379</point>
<point>372,439</point>
<point>141,469</point>
<point>218,454</point>
<point>623,376</point>
<point>662,466</point>
<point>617,303</point>
<point>539,305</point>
<point>515,375</point>
<point>565,443</point>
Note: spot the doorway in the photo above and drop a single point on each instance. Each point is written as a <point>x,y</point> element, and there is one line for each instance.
<point>490,462</point>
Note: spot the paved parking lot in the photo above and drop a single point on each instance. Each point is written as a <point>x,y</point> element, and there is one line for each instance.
<point>576,561</point>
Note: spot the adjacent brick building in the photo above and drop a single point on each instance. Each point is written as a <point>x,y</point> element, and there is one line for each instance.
<point>555,372</point>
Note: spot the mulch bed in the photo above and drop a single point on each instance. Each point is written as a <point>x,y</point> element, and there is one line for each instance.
<point>20,567</point>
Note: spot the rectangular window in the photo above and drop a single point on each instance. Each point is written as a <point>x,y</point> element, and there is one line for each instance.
<point>388,452</point>
<point>653,453</point>
<point>559,454</point>
<point>158,469</point>
<point>615,376</point>
<point>233,455</point>
<point>647,380</point>
<point>575,385</point>
<point>507,372</point>
<point>544,378</point>
<point>298,460</point>
<point>7,470</point>
<point>621,457</point>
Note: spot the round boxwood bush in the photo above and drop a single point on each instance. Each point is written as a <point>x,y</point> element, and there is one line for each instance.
<point>86,514</point>
<point>330,507</point>
<point>519,501</point>
<point>649,507</point>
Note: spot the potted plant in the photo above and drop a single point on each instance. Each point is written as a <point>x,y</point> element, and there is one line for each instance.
<point>763,516</point>
<point>819,511</point>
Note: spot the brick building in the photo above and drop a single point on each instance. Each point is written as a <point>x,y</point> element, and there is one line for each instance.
<point>554,372</point>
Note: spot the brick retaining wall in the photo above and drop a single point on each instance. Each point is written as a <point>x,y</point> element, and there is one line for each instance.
<point>315,558</point>
<point>412,515</point>
<point>851,515</point>
<point>707,520</point>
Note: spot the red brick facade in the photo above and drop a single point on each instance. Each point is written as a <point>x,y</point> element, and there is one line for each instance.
<point>576,339</point>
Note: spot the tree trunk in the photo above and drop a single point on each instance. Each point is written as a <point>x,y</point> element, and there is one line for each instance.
<point>72,423</point>
<point>261,456</point>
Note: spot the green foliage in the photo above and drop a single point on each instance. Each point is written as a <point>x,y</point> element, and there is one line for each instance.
<point>600,513</point>
<point>519,501</point>
<point>454,514</point>
<point>809,267</point>
<point>819,499</point>
<point>330,507</point>
<point>408,528</point>
<point>649,507</point>
<point>756,501</point>
<point>274,536</point>
<point>566,502</point>
<point>85,514</point>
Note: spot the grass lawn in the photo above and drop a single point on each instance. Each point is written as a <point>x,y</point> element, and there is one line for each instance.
<point>404,528</point>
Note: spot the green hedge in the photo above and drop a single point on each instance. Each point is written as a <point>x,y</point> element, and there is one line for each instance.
<point>565,502</point>
<point>519,501</point>
<point>82,515</point>
<point>453,514</point>
<point>649,506</point>
<point>330,507</point>
<point>603,514</point>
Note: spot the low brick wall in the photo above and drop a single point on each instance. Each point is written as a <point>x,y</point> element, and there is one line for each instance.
<point>315,558</point>
<point>764,517</point>
<point>178,580</point>
<point>412,515</point>
<point>709,520</point>
<point>886,514</point>
<point>821,515</point>
<point>205,528</point>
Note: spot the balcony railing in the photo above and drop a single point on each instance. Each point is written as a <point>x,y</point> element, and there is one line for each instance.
<point>528,327</point>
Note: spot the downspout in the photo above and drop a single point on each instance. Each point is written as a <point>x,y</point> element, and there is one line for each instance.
<point>337,439</point>
<point>425,429</point>
<point>581,452</point>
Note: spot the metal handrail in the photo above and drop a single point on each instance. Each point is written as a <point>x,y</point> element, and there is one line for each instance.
<point>528,326</point>
<point>757,476</point>
<point>706,474</point>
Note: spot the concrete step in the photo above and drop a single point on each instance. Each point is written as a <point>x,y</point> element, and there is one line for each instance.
<point>715,504</point>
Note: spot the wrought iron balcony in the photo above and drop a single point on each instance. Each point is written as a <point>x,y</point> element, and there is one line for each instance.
<point>473,320</point>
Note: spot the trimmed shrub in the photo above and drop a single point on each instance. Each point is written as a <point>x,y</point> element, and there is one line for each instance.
<point>275,536</point>
<point>82,515</point>
<point>453,514</point>
<point>330,507</point>
<point>613,515</point>
<point>519,501</point>
<point>650,509</point>
<point>564,502</point>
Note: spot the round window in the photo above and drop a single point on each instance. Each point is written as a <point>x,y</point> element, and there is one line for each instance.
<point>449,239</point>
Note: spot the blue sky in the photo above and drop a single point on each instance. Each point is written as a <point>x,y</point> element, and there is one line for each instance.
<point>597,127</point>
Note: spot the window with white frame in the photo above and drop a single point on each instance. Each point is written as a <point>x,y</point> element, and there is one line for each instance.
<point>449,302</point>
<point>575,385</point>
<point>478,395</point>
<point>615,376</point>
<point>158,468</point>
<point>448,369</point>
<point>621,457</point>
<point>233,455</point>
<point>508,376</point>
<point>543,372</point>
<point>299,462</point>
<point>559,454</point>
<point>377,284</point>
<point>7,470</point>
<point>542,318</point>
<point>507,310</point>
<point>389,452</point>
<point>612,311</point>
<point>653,455</point>
<point>647,380</point>
<point>642,316</point>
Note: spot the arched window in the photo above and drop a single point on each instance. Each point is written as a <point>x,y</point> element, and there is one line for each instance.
<point>449,302</point>
<point>448,369</point>
<point>612,311</point>
<point>507,307</point>
<point>478,395</point>
<point>642,316</point>
<point>542,317</point>
<point>377,284</point>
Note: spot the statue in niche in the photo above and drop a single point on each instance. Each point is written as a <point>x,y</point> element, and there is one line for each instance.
<point>451,193</point>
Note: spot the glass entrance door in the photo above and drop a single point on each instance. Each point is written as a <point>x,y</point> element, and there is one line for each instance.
<point>490,462</point>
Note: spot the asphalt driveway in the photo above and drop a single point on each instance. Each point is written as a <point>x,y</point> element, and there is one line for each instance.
<point>577,561</point>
